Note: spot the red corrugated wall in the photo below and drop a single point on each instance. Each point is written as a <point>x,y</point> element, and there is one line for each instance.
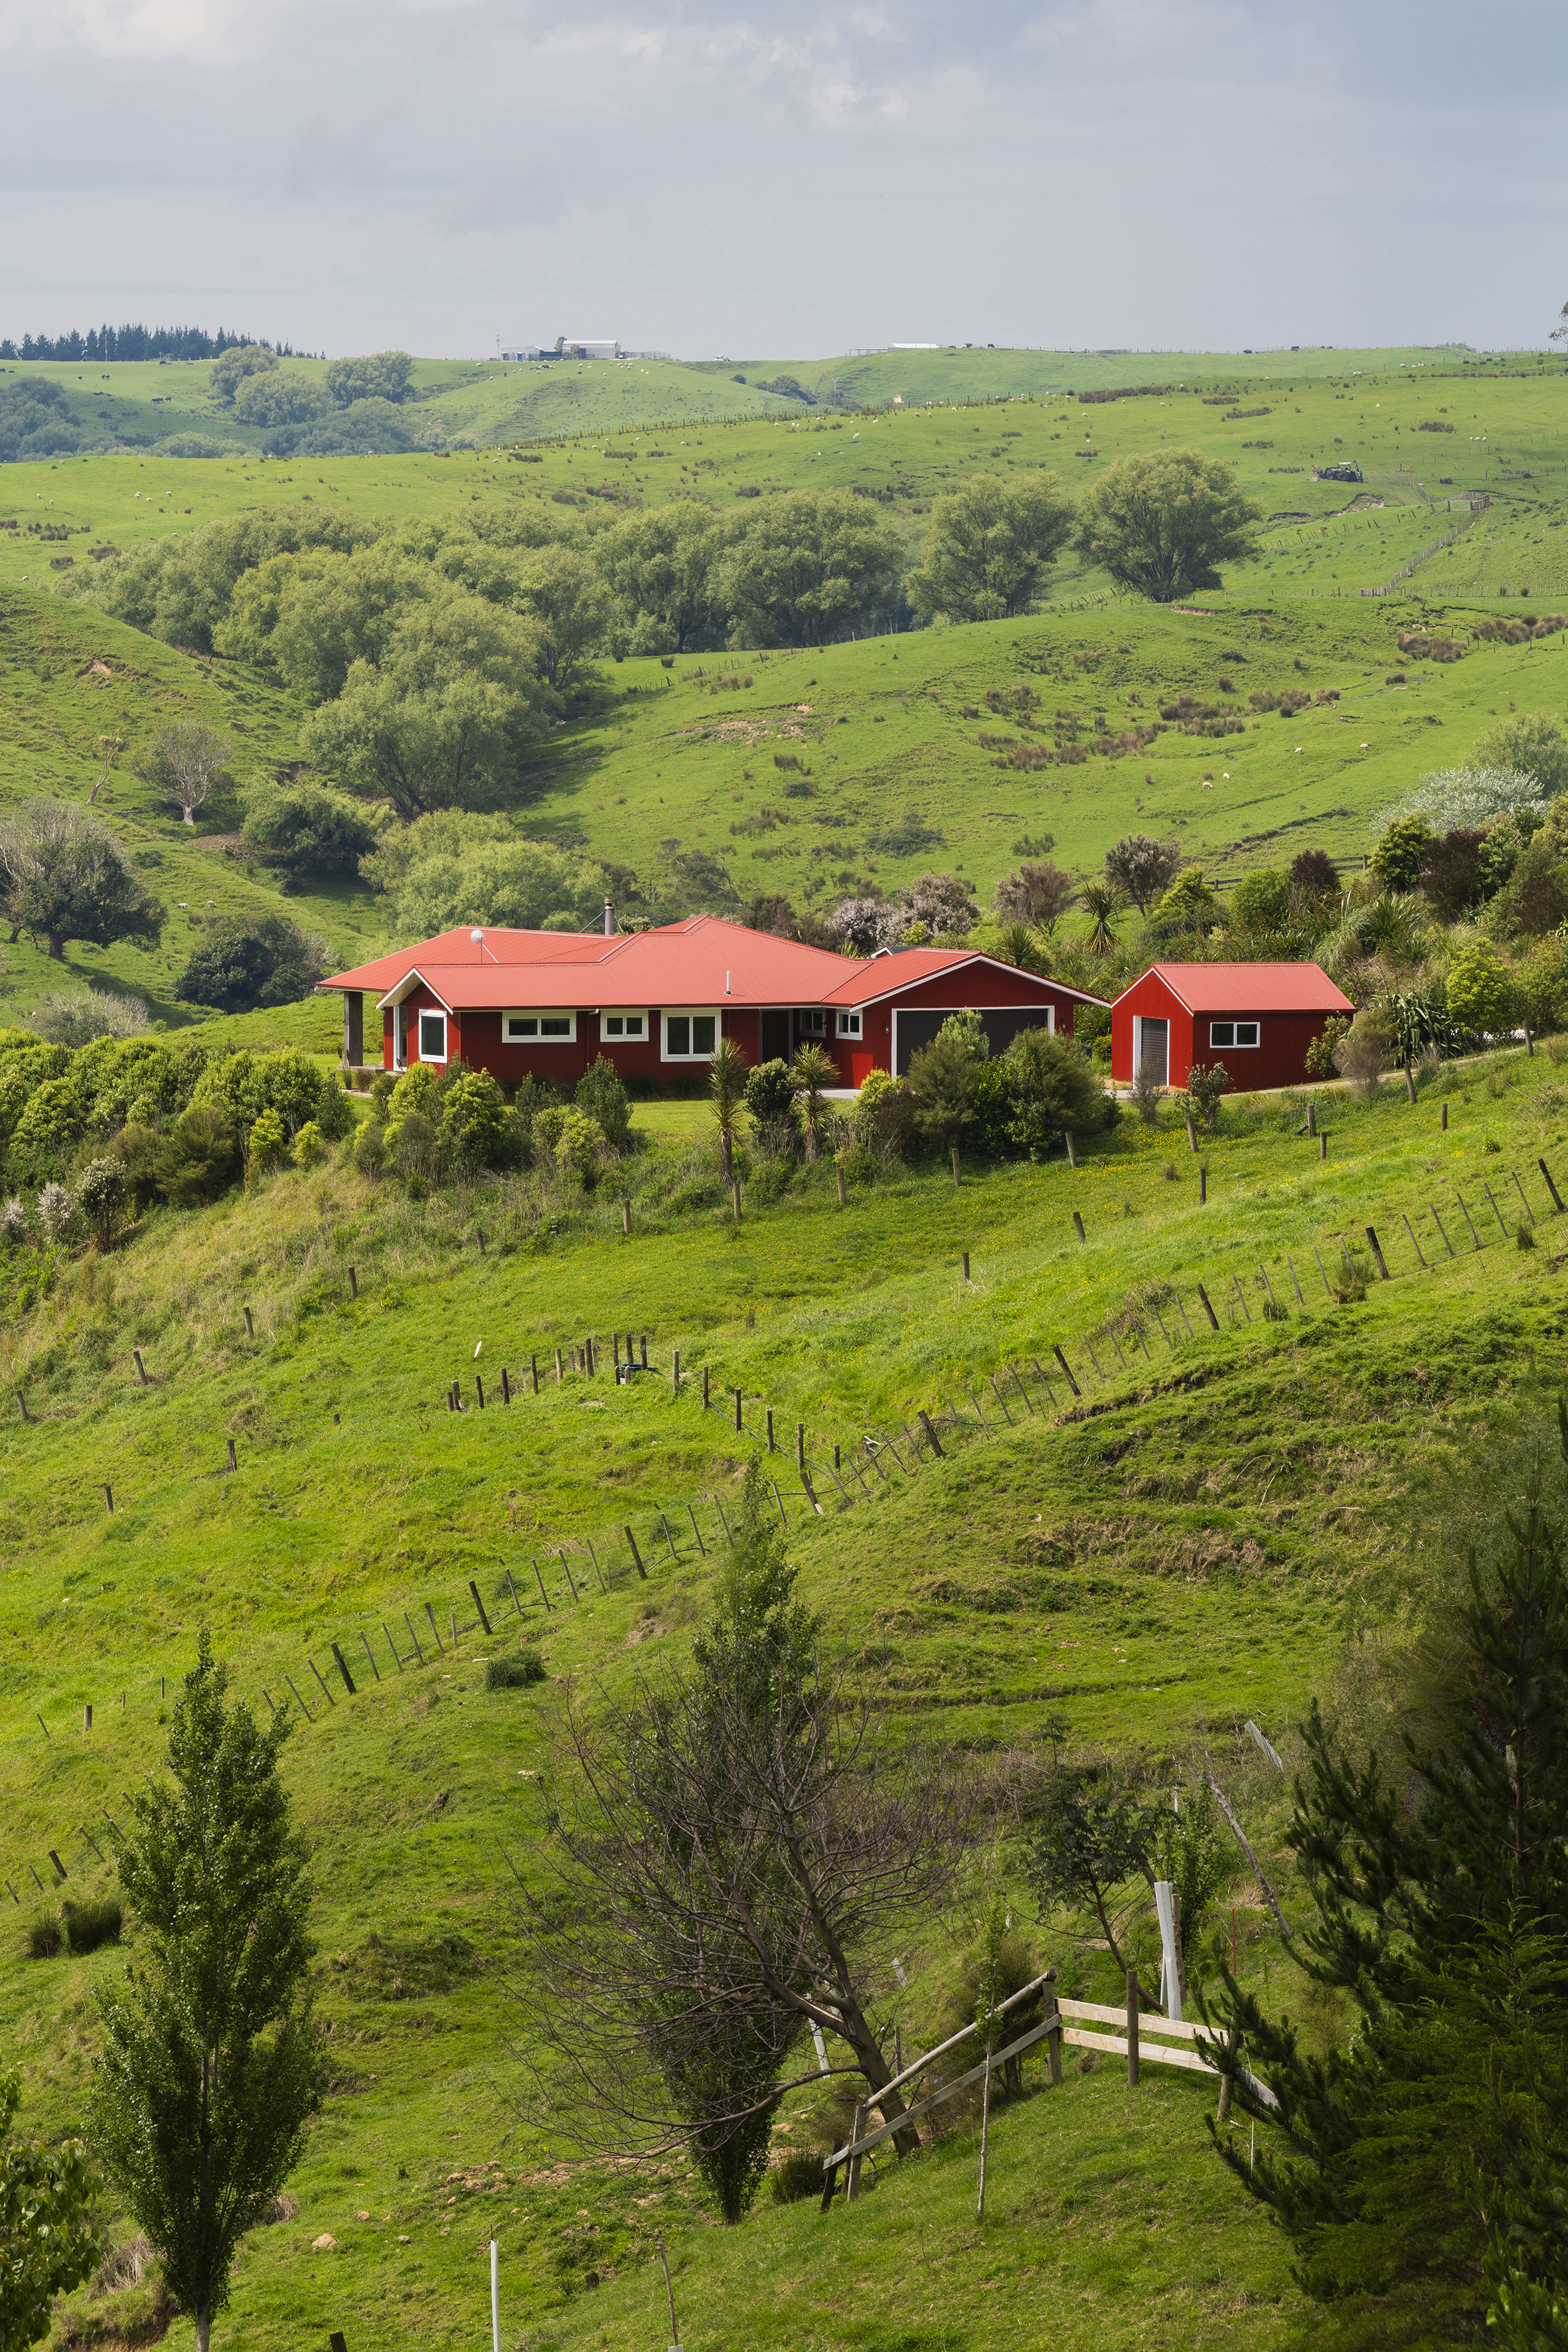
<point>1279,1060</point>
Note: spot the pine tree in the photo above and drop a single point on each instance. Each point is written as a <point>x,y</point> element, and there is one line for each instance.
<point>1419,2165</point>
<point>211,2065</point>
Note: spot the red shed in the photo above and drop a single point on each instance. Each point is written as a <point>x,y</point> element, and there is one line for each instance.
<point>548,1004</point>
<point>1258,1019</point>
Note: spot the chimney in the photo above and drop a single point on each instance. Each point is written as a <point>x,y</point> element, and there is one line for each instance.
<point>609,919</point>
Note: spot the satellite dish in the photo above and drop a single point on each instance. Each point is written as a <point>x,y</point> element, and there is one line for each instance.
<point>475,937</point>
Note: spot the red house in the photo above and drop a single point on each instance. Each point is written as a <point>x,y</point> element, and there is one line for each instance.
<point>1258,1019</point>
<point>548,1004</point>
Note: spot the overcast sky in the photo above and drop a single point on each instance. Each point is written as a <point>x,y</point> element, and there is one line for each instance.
<point>785,182</point>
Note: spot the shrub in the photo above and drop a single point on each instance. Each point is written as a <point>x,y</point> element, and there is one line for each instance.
<point>473,1131</point>
<point>55,1209</point>
<point>1481,990</point>
<point>102,1190</point>
<point>75,1017</point>
<point>200,1157</point>
<point>548,1125</point>
<point>1201,1100</point>
<point>1320,1053</point>
<point>309,1147</point>
<point>303,827</point>
<point>268,1140</point>
<point>769,1100</point>
<point>799,2177</point>
<point>43,1939</point>
<point>514,1673</point>
<point>251,965</point>
<point>411,1146</point>
<point>581,1146</point>
<point>599,1093</point>
<point>1057,1090</point>
<point>88,1925</point>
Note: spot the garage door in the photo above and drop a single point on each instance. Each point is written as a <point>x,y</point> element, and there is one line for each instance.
<point>912,1028</point>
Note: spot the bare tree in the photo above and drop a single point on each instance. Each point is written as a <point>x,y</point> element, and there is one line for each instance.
<point>184,763</point>
<point>740,1846</point>
<point>1142,868</point>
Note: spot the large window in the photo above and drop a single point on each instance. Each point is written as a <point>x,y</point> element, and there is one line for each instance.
<point>850,1025</point>
<point>627,1028</point>
<point>1233,1032</point>
<point>539,1028</point>
<point>691,1036</point>
<point>432,1036</point>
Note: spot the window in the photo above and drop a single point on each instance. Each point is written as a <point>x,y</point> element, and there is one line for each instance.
<point>624,1025</point>
<point>432,1036</point>
<point>691,1036</point>
<point>1233,1032</point>
<point>850,1025</point>
<point>546,1028</point>
<point>813,1021</point>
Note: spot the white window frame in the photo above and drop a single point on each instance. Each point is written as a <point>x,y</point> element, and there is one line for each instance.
<point>850,1025</point>
<point>1232,1043</point>
<point>538,1014</point>
<point>427,1014</point>
<point>623,1012</point>
<point>689,1013</point>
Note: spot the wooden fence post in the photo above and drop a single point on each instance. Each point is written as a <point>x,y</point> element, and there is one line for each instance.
<point>1377,1253</point>
<point>343,1669</point>
<point>1208,1310</point>
<point>1202,1183</point>
<point>1546,1176</point>
<point>1066,1369</point>
<point>540,1582</point>
<point>736,1393</point>
<point>233,1461</point>
<point>505,1386</point>
<point>1410,1082</point>
<point>107,1498</point>
<point>626,1216</point>
<point>842,1190</point>
<point>704,1388</point>
<point>799,1448</point>
<point>1078,1228</point>
<point>533,1368</point>
<point>1443,1122</point>
<point>1311,1118</point>
<point>964,1276</point>
<point>480,1605</point>
<point>249,1326</point>
<point>353,1284</point>
<point>637,1556</point>
<point>1192,1134</point>
<point>735,1198</point>
<point>1072,1153</point>
<point>930,1434</point>
<point>771,1447</point>
<point>140,1369</point>
<point>697,1531</point>
<point>1323,1144</point>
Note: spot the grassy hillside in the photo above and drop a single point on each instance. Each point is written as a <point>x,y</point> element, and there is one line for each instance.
<point>1183,1548</point>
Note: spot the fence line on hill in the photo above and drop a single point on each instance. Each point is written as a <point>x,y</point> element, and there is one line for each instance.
<point>624,1556</point>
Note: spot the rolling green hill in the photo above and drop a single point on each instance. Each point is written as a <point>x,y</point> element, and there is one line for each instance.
<point>1179,1550</point>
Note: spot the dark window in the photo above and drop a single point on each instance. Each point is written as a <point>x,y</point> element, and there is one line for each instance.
<point>432,1036</point>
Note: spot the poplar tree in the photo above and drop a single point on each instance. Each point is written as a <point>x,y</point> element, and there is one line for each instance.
<point>210,2066</point>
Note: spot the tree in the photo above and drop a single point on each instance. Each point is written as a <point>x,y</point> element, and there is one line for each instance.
<point>253,962</point>
<point>1423,2165</point>
<point>379,375</point>
<point>1101,902</point>
<point>302,827</point>
<point>1087,1841</point>
<point>561,590</point>
<point>1314,879</point>
<point>185,763</point>
<point>211,2064</point>
<point>35,421</point>
<point>440,719</point>
<point>988,545</point>
<point>1037,893</point>
<point>278,396</point>
<point>939,904</point>
<point>600,1093</point>
<point>368,429</point>
<point>813,1070</point>
<point>1479,990</point>
<point>1160,524</point>
<point>771,911</point>
<point>769,1096</point>
<point>942,1081</point>
<point>1141,868</point>
<point>237,366</point>
<point>473,1132</point>
<point>1186,906</point>
<point>1401,852</point>
<point>64,876</point>
<point>512,883</point>
<point>1530,743</point>
<point>727,1074</point>
<point>740,1846</point>
<point>800,570</point>
<point>47,2241</point>
<point>1058,1092</point>
<point>1261,901</point>
<point>659,567</point>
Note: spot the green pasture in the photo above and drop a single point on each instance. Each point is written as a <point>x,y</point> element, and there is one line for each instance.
<point>903,764</point>
<point>1182,1548</point>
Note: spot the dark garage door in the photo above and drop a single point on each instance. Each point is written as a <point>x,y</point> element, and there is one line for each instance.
<point>1001,1026</point>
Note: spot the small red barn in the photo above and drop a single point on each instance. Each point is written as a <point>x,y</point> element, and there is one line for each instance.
<point>1258,1019</point>
<point>548,1004</point>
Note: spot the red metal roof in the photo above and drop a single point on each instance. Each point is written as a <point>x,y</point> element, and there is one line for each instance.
<point>1249,987</point>
<point>701,961</point>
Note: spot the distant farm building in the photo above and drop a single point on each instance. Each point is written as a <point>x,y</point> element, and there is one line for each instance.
<point>548,1004</point>
<point>1257,1019</point>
